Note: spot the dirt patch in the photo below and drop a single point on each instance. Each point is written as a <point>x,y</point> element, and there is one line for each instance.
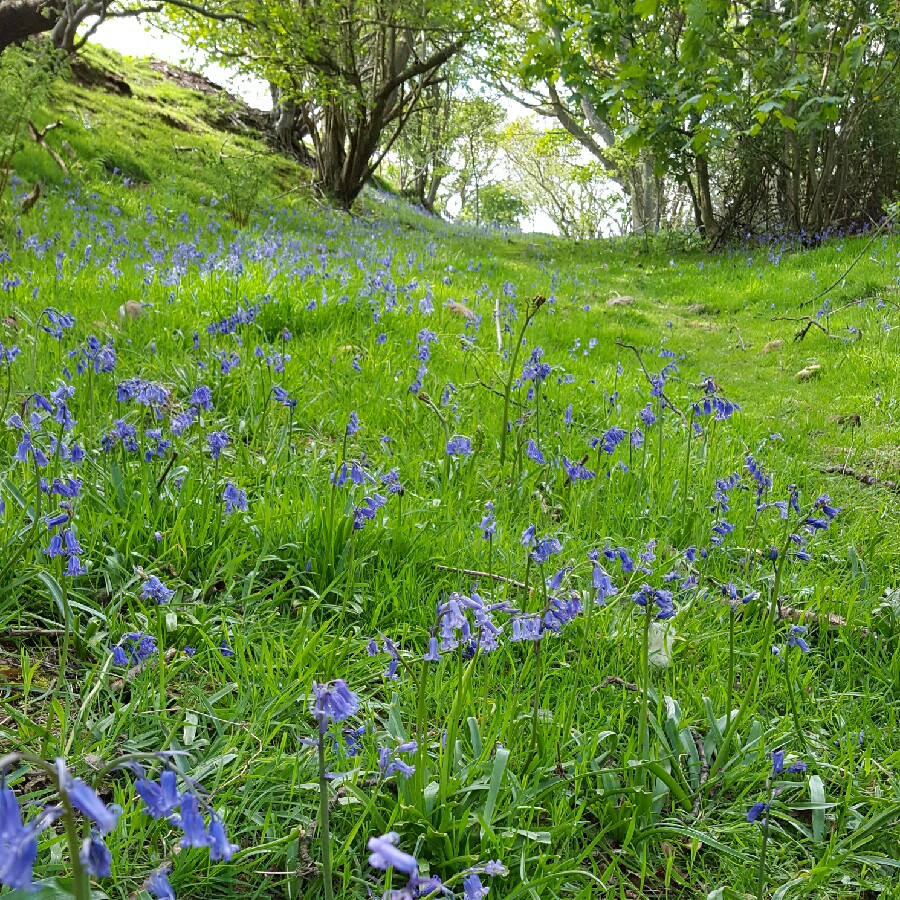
<point>87,75</point>
<point>172,122</point>
<point>230,114</point>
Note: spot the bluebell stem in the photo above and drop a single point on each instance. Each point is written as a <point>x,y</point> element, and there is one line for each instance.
<point>332,702</point>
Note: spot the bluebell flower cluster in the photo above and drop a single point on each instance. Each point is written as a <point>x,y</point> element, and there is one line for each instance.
<point>385,854</point>
<point>459,446</point>
<point>234,498</point>
<point>163,800</point>
<point>146,393</point>
<point>133,648</point>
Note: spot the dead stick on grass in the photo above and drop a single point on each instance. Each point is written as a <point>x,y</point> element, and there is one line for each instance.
<point>474,573</point>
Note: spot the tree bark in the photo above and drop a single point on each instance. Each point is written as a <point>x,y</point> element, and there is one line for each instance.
<point>21,19</point>
<point>704,196</point>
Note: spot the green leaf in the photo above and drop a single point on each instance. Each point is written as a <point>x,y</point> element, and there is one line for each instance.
<point>645,8</point>
<point>52,889</point>
<point>56,592</point>
<point>501,757</point>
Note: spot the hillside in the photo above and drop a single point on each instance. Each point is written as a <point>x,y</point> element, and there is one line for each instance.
<point>545,507</point>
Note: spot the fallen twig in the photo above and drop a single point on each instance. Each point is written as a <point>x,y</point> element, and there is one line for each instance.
<point>33,632</point>
<point>863,477</point>
<point>474,573</point>
<point>38,136</point>
<point>618,682</point>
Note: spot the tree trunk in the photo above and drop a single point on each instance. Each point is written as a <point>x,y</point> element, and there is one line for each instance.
<point>704,197</point>
<point>21,19</point>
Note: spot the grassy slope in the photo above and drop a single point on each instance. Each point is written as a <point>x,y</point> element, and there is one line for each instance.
<point>281,593</point>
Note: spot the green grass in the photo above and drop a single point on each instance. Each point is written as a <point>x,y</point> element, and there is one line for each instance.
<point>577,801</point>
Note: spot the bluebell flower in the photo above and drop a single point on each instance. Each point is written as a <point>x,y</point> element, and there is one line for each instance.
<point>816,524</point>
<point>154,589</point>
<point>201,397</point>
<point>133,648</point>
<point>157,885</point>
<point>66,544</point>
<point>602,584</point>
<point>183,421</point>
<point>390,766</point>
<point>359,476</point>
<point>576,471</point>
<point>352,424</point>
<point>720,531</point>
<point>801,552</point>
<point>611,439</point>
<point>367,510</point>
<point>147,393</point>
<point>225,649</point>
<point>385,855</point>
<point>857,738</point>
<point>529,537</point>
<point>57,322</point>
<point>192,823</point>
<point>568,415</point>
<point>154,434</point>
<point>763,481</point>
<point>823,502</point>
<point>556,580</point>
<point>8,354</point>
<point>284,398</point>
<point>533,452</point>
<point>432,654</point>
<point>18,844</point>
<point>161,800</point>
<point>85,798</point>
<point>625,560</point>
<point>55,521</point>
<point>796,639</point>
<point>648,416</point>
<point>220,848</point>
<point>69,488</point>
<point>561,611</point>
<point>662,598</point>
<point>122,433</point>
<point>227,361</point>
<point>545,548</point>
<point>353,740</point>
<point>473,888</point>
<point>217,441</point>
<point>234,498</point>
<point>95,857</point>
<point>777,761</point>
<point>391,480</point>
<point>333,701</point>
<point>534,370</point>
<point>26,445</point>
<point>758,809</point>
<point>720,408</point>
<point>527,628</point>
<point>488,523</point>
<point>459,446</point>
